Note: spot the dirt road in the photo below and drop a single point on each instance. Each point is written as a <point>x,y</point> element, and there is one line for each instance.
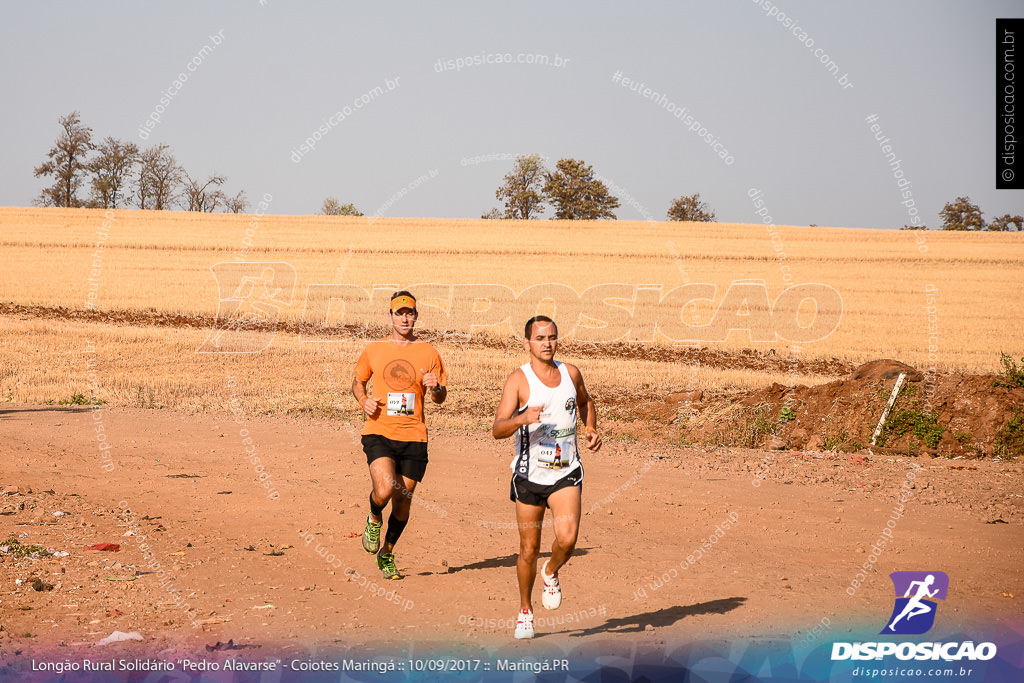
<point>676,544</point>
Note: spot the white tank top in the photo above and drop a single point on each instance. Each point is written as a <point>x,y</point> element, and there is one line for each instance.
<point>546,452</point>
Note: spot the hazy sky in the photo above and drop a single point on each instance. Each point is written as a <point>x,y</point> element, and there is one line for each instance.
<point>754,85</point>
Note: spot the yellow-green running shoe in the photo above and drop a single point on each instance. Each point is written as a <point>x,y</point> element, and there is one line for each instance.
<point>386,563</point>
<point>371,536</point>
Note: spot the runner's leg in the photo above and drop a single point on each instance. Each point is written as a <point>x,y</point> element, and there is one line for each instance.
<point>382,475</point>
<point>401,507</point>
<point>565,517</point>
<point>529,519</point>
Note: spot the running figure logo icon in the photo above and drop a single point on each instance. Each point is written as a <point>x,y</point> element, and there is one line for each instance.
<point>914,612</point>
<point>251,296</point>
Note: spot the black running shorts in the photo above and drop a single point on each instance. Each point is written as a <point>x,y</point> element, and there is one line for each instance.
<point>410,456</point>
<point>529,493</point>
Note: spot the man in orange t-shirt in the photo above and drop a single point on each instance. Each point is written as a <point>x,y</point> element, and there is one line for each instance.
<point>404,370</point>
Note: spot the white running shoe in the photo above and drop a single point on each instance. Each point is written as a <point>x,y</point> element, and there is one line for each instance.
<point>524,624</point>
<point>551,598</point>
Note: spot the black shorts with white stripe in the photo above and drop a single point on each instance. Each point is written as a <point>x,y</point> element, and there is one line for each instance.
<point>525,491</point>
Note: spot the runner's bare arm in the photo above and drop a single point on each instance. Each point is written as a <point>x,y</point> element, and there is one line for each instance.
<point>506,422</point>
<point>586,407</point>
<point>371,406</point>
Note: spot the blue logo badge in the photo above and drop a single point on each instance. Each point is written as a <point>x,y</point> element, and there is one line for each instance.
<point>914,612</point>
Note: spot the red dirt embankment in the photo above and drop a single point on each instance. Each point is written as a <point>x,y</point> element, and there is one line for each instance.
<point>947,415</point>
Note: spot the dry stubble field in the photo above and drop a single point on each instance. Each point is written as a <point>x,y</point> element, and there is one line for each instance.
<point>156,266</point>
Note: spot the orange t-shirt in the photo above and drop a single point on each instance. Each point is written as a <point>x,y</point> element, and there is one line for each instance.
<point>398,383</point>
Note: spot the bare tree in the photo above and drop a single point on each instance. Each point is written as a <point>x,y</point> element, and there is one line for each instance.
<point>237,204</point>
<point>67,163</point>
<point>690,208</point>
<point>202,195</point>
<point>493,214</point>
<point>523,189</point>
<point>111,170</point>
<point>159,179</point>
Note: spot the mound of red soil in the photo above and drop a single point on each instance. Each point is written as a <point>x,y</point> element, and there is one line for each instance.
<point>948,415</point>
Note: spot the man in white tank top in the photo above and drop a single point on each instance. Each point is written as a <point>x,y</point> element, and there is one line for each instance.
<point>540,404</point>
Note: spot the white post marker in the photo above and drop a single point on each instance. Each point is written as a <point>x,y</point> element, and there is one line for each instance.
<point>888,407</point>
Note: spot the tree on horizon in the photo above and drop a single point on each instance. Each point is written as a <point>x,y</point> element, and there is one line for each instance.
<point>67,163</point>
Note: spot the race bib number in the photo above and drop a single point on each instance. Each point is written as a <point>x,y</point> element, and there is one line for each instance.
<point>556,454</point>
<point>401,403</point>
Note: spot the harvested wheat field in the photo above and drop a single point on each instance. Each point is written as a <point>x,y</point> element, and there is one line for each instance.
<point>161,261</point>
<point>738,378</point>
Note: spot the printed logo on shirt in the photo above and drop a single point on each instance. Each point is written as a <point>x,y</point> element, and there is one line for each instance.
<point>399,375</point>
